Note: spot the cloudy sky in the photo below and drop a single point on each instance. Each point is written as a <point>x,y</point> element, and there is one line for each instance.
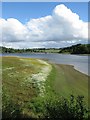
<point>37,25</point>
<point>46,0</point>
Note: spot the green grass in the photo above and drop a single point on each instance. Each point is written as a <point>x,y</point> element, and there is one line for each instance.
<point>16,73</point>
<point>63,80</point>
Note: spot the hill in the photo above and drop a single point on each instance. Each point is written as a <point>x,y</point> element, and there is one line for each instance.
<point>74,49</point>
<point>77,49</point>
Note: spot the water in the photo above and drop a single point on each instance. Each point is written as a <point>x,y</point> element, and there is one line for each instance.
<point>81,63</point>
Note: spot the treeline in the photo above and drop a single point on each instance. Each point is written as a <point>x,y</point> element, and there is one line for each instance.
<point>33,50</point>
<point>77,49</point>
<point>74,49</point>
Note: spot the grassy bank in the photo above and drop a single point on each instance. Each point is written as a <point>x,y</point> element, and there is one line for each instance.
<point>23,80</point>
<point>65,80</point>
<point>27,83</point>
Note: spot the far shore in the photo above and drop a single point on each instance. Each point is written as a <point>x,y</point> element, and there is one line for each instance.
<point>45,53</point>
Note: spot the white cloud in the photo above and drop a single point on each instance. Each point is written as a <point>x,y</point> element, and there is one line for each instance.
<point>13,30</point>
<point>61,26</point>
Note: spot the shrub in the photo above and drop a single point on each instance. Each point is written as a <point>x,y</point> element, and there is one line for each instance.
<point>64,109</point>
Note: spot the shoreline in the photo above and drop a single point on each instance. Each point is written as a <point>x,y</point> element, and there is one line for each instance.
<point>50,62</point>
<point>81,71</point>
<point>73,67</point>
<point>46,53</point>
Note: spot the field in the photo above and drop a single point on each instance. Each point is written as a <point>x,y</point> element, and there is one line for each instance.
<point>27,81</point>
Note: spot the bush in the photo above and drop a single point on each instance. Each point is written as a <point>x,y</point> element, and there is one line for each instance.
<point>53,108</point>
<point>64,109</point>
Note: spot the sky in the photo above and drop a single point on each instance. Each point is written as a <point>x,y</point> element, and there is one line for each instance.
<point>39,24</point>
<point>26,11</point>
<point>45,0</point>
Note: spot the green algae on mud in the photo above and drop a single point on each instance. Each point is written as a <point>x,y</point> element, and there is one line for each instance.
<point>65,80</point>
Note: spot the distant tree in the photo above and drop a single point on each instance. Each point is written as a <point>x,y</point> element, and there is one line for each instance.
<point>76,49</point>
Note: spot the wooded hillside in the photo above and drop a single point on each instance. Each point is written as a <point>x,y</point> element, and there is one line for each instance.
<point>74,49</point>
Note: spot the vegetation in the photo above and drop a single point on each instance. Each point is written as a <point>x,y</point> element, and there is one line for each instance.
<point>35,50</point>
<point>57,108</point>
<point>66,109</point>
<point>69,81</point>
<point>74,49</point>
<point>10,108</point>
<point>20,82</point>
<point>77,49</point>
<point>34,88</point>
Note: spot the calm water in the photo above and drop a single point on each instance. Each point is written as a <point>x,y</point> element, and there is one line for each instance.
<point>81,63</point>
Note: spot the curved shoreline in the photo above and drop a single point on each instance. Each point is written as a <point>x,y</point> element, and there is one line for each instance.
<point>52,61</point>
<point>74,67</point>
<point>81,71</point>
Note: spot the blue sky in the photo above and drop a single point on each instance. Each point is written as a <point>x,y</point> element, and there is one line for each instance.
<point>46,0</point>
<point>24,11</point>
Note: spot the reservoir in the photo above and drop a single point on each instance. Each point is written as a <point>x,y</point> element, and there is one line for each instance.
<point>80,63</point>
